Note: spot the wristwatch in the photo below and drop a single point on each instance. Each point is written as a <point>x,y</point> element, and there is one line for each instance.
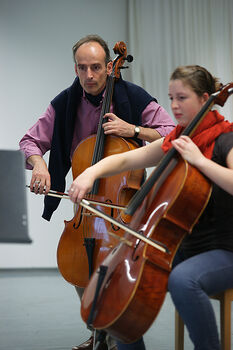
<point>136,131</point>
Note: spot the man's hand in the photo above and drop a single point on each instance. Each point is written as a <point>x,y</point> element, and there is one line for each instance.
<point>117,126</point>
<point>40,181</point>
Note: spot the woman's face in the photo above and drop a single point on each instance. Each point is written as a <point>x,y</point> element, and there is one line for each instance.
<point>185,103</point>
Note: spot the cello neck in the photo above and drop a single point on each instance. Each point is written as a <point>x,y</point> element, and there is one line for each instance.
<point>99,145</point>
<point>117,63</point>
<point>100,137</point>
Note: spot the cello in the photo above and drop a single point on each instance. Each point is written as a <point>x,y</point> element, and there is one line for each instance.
<point>126,293</point>
<point>86,241</point>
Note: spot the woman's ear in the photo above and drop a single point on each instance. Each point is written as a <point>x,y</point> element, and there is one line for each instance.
<point>205,96</point>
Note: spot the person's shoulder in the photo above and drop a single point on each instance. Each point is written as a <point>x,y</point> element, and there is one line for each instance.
<point>226,137</point>
<point>132,86</point>
<point>62,96</point>
<point>136,90</point>
<point>223,144</point>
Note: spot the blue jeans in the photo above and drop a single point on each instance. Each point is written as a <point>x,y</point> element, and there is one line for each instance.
<point>190,283</point>
<point>138,345</point>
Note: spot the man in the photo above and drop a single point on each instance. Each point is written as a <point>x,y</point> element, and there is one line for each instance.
<point>74,114</point>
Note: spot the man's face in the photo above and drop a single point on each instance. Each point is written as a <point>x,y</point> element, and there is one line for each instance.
<point>91,67</point>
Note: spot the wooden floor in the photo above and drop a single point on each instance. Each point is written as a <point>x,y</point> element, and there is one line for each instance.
<point>39,310</point>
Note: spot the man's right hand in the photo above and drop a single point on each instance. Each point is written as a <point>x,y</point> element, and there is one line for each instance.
<point>40,181</point>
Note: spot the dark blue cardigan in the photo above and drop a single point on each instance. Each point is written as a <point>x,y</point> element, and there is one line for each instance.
<point>129,99</point>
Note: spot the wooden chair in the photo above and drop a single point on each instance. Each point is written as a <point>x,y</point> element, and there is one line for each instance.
<point>225,300</point>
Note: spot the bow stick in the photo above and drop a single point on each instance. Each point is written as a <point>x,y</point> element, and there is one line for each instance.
<point>87,205</point>
<point>62,195</point>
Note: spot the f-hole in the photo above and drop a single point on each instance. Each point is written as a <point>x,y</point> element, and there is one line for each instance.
<point>115,228</point>
<point>80,219</point>
<point>135,256</point>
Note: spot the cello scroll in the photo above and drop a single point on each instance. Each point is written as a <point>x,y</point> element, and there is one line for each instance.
<point>121,50</point>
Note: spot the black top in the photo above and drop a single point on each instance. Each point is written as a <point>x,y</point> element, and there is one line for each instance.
<point>214,229</point>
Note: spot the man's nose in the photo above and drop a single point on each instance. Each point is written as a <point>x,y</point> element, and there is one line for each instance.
<point>89,73</point>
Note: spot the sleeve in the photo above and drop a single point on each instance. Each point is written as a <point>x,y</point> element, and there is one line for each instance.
<point>223,146</point>
<point>37,140</point>
<point>156,117</point>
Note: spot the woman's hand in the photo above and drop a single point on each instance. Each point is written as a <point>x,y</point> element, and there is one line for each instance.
<point>81,186</point>
<point>188,150</point>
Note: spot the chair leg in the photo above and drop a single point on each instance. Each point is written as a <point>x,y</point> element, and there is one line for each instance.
<point>225,317</point>
<point>179,332</point>
<point>225,299</point>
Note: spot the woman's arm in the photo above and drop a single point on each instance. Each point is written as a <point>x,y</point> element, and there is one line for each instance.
<point>143,157</point>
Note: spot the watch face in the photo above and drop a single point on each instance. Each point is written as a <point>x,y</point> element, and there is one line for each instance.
<point>136,131</point>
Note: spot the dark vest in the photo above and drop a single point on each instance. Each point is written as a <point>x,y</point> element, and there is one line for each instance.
<point>130,100</point>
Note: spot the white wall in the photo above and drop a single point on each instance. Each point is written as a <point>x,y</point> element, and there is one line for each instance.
<point>166,34</point>
<point>35,65</point>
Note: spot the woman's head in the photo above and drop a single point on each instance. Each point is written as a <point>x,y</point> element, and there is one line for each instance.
<point>198,78</point>
<point>189,89</point>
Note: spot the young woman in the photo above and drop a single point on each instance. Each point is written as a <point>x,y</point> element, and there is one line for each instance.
<point>204,263</point>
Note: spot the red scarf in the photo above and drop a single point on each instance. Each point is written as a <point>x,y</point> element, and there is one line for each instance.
<point>205,135</point>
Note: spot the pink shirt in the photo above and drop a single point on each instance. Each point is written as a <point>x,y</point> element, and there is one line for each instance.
<point>37,140</point>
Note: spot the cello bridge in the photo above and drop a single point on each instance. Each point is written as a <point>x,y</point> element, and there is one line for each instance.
<point>88,214</point>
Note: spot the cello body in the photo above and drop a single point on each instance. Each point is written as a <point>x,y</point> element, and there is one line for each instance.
<point>72,254</point>
<point>135,284</point>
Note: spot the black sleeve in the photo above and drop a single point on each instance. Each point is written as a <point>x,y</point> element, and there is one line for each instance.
<point>223,145</point>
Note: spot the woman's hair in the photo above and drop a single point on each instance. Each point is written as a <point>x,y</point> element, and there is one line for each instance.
<point>198,78</point>
<point>93,38</point>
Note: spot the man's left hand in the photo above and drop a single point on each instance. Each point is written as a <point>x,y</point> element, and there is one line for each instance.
<point>117,126</point>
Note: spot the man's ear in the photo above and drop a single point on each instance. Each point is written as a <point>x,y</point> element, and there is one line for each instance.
<point>109,67</point>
